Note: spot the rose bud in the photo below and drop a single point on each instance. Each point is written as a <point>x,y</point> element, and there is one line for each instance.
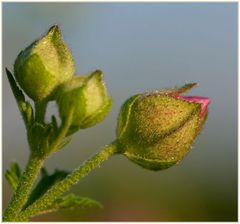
<point>156,130</point>
<point>87,95</point>
<point>44,65</point>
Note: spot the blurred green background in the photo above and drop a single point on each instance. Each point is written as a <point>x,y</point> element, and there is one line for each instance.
<point>140,47</point>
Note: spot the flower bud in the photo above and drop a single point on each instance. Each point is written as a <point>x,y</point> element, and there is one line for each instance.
<point>44,65</point>
<point>156,130</point>
<point>87,95</point>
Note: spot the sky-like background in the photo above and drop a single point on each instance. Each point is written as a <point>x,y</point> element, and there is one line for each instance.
<point>139,47</point>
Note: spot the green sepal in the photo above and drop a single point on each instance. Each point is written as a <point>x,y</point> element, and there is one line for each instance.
<point>23,105</point>
<point>41,136</point>
<point>64,143</point>
<point>13,175</point>
<point>177,90</point>
<point>71,201</point>
<point>151,164</point>
<point>99,115</point>
<point>124,115</point>
<point>185,88</point>
<point>54,123</point>
<point>46,182</point>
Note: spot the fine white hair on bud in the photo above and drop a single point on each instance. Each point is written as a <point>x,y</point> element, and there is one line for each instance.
<point>87,95</point>
<point>44,65</point>
<point>157,129</point>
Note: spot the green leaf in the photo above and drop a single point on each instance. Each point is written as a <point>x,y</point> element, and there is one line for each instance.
<point>24,106</point>
<point>46,182</point>
<point>13,175</point>
<point>16,91</point>
<point>72,201</point>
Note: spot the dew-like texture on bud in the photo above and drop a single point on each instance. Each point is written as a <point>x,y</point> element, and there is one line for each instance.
<point>156,130</point>
<point>87,95</point>
<point>44,65</point>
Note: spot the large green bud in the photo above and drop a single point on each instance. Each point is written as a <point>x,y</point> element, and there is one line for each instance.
<point>87,96</point>
<point>156,130</point>
<point>44,65</point>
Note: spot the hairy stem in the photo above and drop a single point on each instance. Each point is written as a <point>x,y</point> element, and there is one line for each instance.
<point>40,110</point>
<point>23,190</point>
<point>59,188</point>
<point>33,167</point>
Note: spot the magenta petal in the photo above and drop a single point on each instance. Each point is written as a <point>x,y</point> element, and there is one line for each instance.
<point>204,101</point>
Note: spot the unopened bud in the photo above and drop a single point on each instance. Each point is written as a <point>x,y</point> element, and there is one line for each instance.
<point>157,129</point>
<point>44,65</point>
<point>88,97</point>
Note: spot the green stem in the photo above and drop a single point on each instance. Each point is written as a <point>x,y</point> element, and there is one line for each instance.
<point>59,188</point>
<point>62,133</point>
<point>33,167</point>
<point>23,190</point>
<point>40,110</point>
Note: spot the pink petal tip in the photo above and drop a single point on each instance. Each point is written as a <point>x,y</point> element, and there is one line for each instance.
<point>204,101</point>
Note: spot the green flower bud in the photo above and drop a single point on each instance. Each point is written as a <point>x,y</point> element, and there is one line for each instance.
<point>44,65</point>
<point>87,95</point>
<point>156,130</point>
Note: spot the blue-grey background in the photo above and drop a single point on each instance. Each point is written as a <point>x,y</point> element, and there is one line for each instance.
<point>139,46</point>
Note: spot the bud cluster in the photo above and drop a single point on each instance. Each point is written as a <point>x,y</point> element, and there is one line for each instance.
<point>155,130</point>
<point>46,71</point>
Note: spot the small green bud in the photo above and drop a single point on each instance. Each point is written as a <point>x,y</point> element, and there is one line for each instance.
<point>87,95</point>
<point>156,130</point>
<point>44,65</point>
